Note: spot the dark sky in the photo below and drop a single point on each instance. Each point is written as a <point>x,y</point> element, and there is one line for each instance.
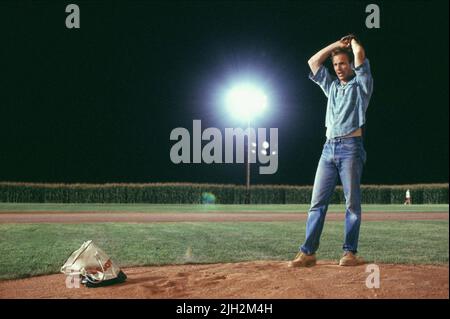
<point>97,104</point>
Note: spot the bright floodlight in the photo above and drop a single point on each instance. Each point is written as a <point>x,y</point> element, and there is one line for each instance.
<point>246,101</point>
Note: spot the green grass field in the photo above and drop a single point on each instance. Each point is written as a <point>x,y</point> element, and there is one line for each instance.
<point>155,208</point>
<point>36,249</point>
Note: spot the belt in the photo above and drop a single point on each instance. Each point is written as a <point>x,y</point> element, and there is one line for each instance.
<point>342,139</point>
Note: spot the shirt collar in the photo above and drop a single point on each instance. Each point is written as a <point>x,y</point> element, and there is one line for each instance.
<point>349,82</point>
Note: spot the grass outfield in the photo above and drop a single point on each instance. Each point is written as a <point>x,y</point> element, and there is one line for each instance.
<point>188,208</point>
<point>34,249</point>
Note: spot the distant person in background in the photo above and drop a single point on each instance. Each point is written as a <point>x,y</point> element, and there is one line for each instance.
<point>407,198</point>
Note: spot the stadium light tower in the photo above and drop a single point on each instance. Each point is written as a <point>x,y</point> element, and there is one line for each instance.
<point>245,102</point>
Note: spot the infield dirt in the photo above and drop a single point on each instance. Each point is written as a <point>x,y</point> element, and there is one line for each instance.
<point>258,279</point>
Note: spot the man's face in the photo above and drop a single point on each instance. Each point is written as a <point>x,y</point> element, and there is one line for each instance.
<point>342,67</point>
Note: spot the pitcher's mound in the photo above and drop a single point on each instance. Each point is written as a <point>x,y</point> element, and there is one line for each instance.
<point>258,279</point>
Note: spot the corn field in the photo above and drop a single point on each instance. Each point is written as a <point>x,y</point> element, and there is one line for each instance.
<point>186,193</point>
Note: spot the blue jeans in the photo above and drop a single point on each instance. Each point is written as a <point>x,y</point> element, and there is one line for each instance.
<point>343,157</point>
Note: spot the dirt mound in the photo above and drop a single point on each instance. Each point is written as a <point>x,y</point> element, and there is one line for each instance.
<point>259,279</point>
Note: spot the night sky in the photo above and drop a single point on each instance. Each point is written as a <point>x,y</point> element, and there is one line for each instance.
<point>97,104</point>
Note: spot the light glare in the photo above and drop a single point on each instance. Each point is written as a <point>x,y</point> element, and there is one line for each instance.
<point>246,101</point>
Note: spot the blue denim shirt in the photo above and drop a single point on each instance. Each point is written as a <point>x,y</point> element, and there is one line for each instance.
<point>347,104</point>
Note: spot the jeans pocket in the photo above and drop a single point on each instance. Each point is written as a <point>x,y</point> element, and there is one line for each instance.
<point>355,149</point>
<point>363,154</point>
<point>351,146</point>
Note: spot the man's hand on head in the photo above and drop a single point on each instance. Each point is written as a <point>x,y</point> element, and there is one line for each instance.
<point>343,44</point>
<point>349,37</point>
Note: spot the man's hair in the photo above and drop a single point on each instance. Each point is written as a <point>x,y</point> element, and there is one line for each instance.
<point>347,52</point>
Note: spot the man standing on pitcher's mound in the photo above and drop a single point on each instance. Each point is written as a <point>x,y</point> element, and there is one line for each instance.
<point>343,154</point>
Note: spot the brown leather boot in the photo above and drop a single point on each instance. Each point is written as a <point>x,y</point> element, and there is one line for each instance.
<point>303,260</point>
<point>350,259</point>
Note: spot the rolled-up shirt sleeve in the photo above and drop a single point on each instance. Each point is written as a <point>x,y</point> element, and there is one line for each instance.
<point>364,77</point>
<point>323,78</point>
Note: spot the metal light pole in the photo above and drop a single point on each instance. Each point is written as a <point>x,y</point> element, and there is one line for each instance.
<point>247,195</point>
<point>246,101</point>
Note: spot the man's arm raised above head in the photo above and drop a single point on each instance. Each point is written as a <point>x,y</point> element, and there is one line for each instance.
<point>362,66</point>
<point>358,52</point>
<point>319,58</point>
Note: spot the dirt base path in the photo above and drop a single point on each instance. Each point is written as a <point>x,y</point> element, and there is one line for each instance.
<point>130,217</point>
<point>260,279</point>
